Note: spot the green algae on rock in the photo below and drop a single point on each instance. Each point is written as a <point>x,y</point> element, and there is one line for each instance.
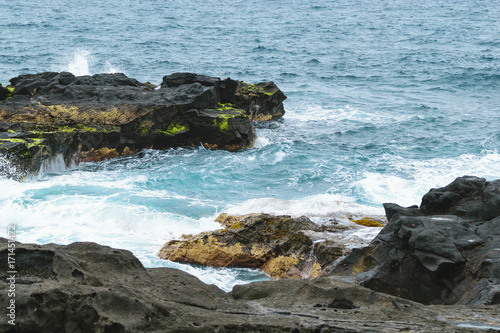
<point>282,246</point>
<point>91,118</point>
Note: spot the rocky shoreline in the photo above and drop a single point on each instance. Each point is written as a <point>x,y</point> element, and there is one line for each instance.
<point>93,118</point>
<point>86,287</point>
<point>433,268</point>
<point>281,246</point>
<point>445,252</point>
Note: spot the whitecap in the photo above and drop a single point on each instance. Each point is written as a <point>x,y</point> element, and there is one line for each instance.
<point>411,179</point>
<point>262,142</point>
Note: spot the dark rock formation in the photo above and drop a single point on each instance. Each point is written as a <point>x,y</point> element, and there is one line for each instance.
<point>91,118</point>
<point>445,252</point>
<point>262,101</point>
<point>85,287</point>
<point>282,246</point>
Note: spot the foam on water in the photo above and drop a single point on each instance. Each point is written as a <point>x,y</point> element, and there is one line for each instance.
<point>322,205</point>
<point>383,104</point>
<point>74,206</point>
<point>313,113</point>
<point>413,178</point>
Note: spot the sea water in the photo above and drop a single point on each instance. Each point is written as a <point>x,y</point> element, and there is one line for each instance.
<point>386,99</point>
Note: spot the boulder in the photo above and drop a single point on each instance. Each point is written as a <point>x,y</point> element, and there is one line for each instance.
<point>86,287</point>
<point>445,252</point>
<point>281,246</point>
<point>91,118</point>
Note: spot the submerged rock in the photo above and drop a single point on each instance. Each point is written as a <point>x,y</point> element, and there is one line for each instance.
<point>86,287</point>
<point>92,118</point>
<point>282,246</point>
<point>445,252</point>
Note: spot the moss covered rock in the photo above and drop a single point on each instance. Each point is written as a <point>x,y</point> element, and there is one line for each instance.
<point>262,101</point>
<point>282,246</point>
<point>91,118</point>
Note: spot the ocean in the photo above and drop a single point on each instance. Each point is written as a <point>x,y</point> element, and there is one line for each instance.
<point>386,99</point>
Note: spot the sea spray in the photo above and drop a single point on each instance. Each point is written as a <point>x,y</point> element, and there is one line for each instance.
<point>79,65</point>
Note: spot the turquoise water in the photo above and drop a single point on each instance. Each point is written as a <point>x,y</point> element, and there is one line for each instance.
<point>386,99</point>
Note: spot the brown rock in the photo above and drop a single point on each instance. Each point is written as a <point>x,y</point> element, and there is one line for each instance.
<point>281,246</point>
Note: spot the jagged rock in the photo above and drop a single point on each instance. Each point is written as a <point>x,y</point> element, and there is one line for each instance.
<point>91,118</point>
<point>86,287</point>
<point>430,256</point>
<point>282,246</point>
<point>262,101</point>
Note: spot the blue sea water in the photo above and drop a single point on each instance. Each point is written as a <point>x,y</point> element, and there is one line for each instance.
<point>386,99</point>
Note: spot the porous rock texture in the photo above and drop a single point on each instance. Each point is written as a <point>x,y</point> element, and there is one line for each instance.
<point>92,118</point>
<point>86,287</point>
<point>445,252</point>
<point>282,246</point>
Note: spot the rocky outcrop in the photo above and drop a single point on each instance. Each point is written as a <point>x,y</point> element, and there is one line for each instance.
<point>445,252</point>
<point>262,101</point>
<point>85,287</point>
<point>282,246</point>
<point>91,118</point>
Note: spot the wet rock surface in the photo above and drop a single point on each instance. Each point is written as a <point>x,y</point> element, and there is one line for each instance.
<point>282,246</point>
<point>445,252</point>
<point>86,287</point>
<point>92,118</point>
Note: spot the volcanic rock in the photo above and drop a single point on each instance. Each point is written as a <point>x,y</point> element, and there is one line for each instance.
<point>445,252</point>
<point>86,287</point>
<point>262,101</point>
<point>91,118</point>
<point>282,246</point>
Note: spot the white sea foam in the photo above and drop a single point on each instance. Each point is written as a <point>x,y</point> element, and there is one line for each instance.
<point>64,217</point>
<point>224,278</point>
<point>334,115</point>
<point>261,142</point>
<point>322,205</point>
<point>414,178</point>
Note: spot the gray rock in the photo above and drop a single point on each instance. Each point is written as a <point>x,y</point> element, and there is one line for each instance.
<point>86,287</point>
<point>446,252</point>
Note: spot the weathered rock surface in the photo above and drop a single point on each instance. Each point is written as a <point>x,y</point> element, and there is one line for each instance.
<point>91,118</point>
<point>282,246</point>
<point>85,287</point>
<point>262,101</point>
<point>445,252</point>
